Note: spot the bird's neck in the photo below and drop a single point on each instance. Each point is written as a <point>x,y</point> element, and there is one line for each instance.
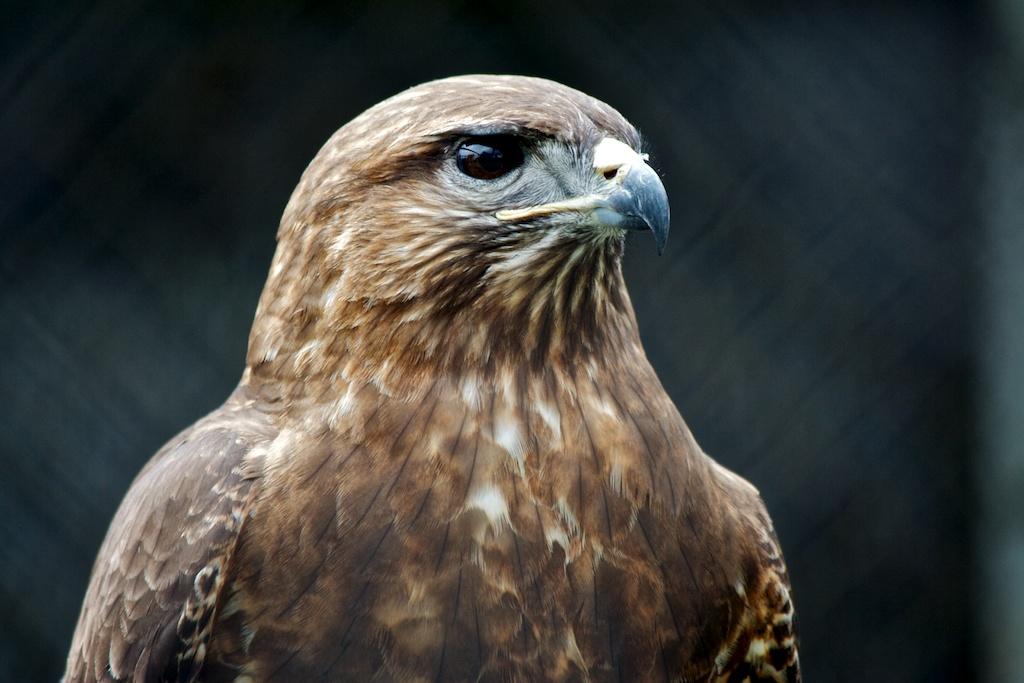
<point>565,311</point>
<point>538,373</point>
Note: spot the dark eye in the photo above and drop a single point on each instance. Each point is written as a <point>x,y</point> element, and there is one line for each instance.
<point>489,157</point>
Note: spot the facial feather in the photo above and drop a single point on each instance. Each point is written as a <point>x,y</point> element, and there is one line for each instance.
<point>404,264</point>
<point>448,453</point>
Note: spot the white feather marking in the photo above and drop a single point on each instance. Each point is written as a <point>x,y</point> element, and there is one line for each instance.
<point>606,408</point>
<point>330,295</point>
<point>567,516</point>
<point>508,435</point>
<point>557,534</point>
<point>550,417</point>
<point>488,499</point>
<point>470,391</point>
<point>572,651</point>
<point>525,256</point>
<point>340,243</point>
<point>615,477</point>
<point>341,407</point>
<point>280,449</point>
<point>308,352</point>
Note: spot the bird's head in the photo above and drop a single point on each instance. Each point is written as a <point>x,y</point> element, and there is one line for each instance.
<point>471,219</point>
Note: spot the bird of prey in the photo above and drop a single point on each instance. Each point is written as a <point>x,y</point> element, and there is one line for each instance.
<point>448,457</point>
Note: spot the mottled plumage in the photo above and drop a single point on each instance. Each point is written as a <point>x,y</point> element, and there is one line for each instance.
<point>448,458</point>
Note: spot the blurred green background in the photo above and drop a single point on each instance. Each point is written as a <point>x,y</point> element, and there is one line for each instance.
<point>839,314</point>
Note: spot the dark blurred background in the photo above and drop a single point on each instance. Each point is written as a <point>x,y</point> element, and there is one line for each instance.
<point>839,314</point>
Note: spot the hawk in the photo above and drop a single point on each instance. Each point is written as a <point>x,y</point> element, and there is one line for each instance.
<point>448,458</point>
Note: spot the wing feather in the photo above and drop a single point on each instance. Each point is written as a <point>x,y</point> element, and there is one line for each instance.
<point>157,580</point>
<point>762,646</point>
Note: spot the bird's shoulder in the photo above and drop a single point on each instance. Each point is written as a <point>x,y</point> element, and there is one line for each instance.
<point>761,644</point>
<point>156,584</point>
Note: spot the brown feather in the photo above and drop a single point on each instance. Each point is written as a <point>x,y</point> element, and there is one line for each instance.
<point>448,458</point>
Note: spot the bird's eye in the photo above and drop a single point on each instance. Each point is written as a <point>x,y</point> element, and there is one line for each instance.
<point>490,157</point>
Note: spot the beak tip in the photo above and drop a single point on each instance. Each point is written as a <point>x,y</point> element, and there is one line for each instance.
<point>657,222</point>
<point>646,201</point>
<point>660,230</point>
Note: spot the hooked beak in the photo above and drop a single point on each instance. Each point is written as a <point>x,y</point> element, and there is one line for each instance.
<point>633,198</point>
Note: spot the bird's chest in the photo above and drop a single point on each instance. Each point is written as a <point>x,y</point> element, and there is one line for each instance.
<point>449,548</point>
